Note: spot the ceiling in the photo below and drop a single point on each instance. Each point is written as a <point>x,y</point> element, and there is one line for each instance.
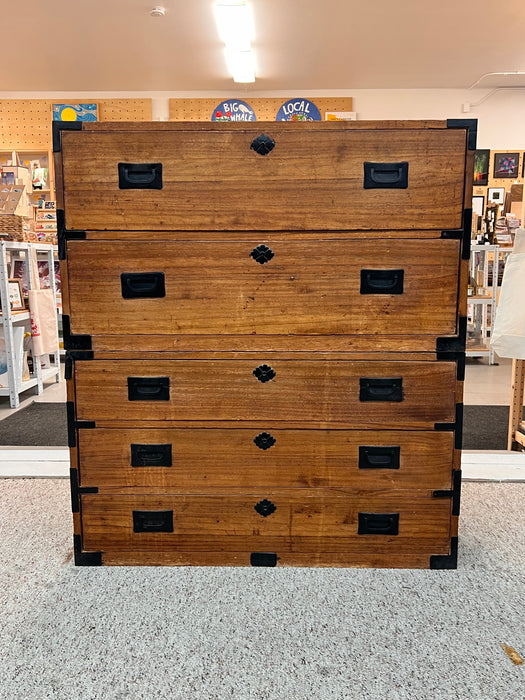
<point>114,45</point>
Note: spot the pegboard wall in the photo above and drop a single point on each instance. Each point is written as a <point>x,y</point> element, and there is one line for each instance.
<point>265,108</point>
<point>504,182</point>
<point>26,124</point>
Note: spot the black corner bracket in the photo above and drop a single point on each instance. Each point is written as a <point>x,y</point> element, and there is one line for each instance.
<point>471,125</point>
<point>74,342</point>
<point>74,425</point>
<point>64,235</point>
<point>454,343</point>
<point>58,128</point>
<point>454,493</point>
<point>446,561</point>
<point>457,427</point>
<point>85,558</point>
<point>77,490</point>
<point>459,358</point>
<point>463,233</point>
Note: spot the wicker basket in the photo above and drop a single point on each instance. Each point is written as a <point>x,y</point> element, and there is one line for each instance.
<point>12,226</point>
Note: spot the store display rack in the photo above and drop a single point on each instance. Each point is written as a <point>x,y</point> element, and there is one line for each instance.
<point>482,306</point>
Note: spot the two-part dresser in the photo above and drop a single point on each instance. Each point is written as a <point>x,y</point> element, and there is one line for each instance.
<point>265,325</point>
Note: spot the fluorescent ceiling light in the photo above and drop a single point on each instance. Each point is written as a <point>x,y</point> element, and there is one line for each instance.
<point>241,65</point>
<point>235,23</point>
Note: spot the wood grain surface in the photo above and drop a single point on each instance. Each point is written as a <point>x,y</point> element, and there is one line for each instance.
<point>220,458</point>
<point>306,287</point>
<point>302,390</point>
<point>213,180</point>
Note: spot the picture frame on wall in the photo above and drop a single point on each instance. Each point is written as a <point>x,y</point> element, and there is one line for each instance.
<point>496,195</point>
<point>506,165</point>
<point>75,112</point>
<point>478,205</point>
<point>481,167</point>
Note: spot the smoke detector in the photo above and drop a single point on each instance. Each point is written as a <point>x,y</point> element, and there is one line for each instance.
<point>158,12</point>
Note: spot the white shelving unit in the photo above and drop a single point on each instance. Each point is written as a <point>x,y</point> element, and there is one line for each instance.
<point>10,318</point>
<point>481,304</point>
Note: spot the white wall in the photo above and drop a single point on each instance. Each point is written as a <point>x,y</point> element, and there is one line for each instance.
<point>501,114</point>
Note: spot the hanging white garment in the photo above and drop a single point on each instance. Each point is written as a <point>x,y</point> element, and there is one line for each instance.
<point>508,334</point>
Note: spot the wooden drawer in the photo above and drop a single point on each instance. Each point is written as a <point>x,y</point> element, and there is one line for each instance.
<point>264,287</point>
<point>191,460</point>
<point>357,394</point>
<point>212,178</point>
<point>267,521</point>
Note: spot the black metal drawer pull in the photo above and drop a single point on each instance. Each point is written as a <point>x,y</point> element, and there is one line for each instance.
<point>264,441</point>
<point>151,455</point>
<point>262,254</point>
<point>142,285</point>
<point>263,559</point>
<point>386,176</point>
<point>148,388</point>
<point>140,176</point>
<point>265,508</point>
<point>262,145</point>
<point>264,373</point>
<point>382,281</point>
<point>152,521</point>
<point>378,524</point>
<point>379,457</point>
<point>381,389</point>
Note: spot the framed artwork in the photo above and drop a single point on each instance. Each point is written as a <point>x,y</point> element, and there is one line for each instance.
<point>478,205</point>
<point>481,167</point>
<point>18,272</point>
<point>496,195</point>
<point>78,112</point>
<point>16,298</point>
<point>506,164</point>
<point>49,205</point>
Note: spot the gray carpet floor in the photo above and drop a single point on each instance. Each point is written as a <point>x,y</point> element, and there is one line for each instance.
<point>272,634</point>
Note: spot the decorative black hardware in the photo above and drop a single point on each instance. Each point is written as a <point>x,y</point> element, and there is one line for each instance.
<point>64,235</point>
<point>454,343</point>
<point>148,388</point>
<point>71,341</point>
<point>152,521</point>
<point>151,455</point>
<point>262,254</point>
<point>471,125</point>
<point>59,126</point>
<point>264,373</point>
<point>457,427</point>
<point>264,441</point>
<point>77,490</point>
<point>263,559</point>
<point>140,176</point>
<point>262,145</point>
<point>381,389</point>
<point>382,281</point>
<point>464,234</point>
<point>265,508</point>
<point>378,524</point>
<point>85,558</point>
<point>143,285</point>
<point>379,457</point>
<point>74,425</point>
<point>453,493</point>
<point>446,561</point>
<point>386,176</point>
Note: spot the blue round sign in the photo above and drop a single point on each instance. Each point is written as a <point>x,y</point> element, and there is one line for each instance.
<point>233,110</point>
<point>298,110</point>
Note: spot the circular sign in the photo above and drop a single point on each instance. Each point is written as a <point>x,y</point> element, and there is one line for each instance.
<point>233,111</point>
<point>298,110</point>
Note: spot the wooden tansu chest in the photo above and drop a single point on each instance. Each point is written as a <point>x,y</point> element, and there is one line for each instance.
<point>265,325</point>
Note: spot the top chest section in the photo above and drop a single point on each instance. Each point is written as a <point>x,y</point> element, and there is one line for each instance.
<point>266,176</point>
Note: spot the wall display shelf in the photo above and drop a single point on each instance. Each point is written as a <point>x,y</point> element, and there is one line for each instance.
<point>11,322</point>
<point>482,300</point>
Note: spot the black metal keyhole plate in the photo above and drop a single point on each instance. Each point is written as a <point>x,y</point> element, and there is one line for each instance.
<point>262,145</point>
<point>264,441</point>
<point>265,508</point>
<point>262,254</point>
<point>264,373</point>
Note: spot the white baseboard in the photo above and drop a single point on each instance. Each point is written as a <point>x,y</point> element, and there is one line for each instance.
<point>53,462</point>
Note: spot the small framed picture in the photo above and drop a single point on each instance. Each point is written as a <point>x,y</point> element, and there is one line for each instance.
<point>15,295</point>
<point>496,195</point>
<point>506,164</point>
<point>481,167</point>
<point>50,205</point>
<point>478,205</point>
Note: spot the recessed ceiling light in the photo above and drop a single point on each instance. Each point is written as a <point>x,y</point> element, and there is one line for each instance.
<point>158,12</point>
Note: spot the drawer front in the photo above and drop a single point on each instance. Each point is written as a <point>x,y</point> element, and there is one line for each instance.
<point>214,179</point>
<point>192,459</point>
<point>263,521</point>
<point>264,287</point>
<point>360,394</point>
